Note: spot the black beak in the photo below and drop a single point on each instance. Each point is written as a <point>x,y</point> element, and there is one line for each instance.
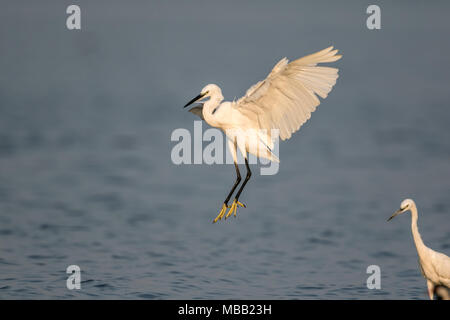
<point>395,214</point>
<point>201,95</point>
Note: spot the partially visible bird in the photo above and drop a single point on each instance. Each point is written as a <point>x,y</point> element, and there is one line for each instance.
<point>435,266</point>
<point>442,293</point>
<point>283,101</point>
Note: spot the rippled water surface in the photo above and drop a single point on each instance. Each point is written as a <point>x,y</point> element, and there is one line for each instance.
<point>86,176</point>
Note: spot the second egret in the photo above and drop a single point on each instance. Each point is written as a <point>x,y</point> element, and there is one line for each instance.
<point>435,266</point>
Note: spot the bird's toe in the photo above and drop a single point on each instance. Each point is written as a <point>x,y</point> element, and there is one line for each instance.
<point>221,213</point>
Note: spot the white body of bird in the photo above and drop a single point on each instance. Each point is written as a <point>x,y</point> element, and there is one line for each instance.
<point>435,266</point>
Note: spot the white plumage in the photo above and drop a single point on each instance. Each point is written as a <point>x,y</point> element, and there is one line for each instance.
<point>435,266</point>
<point>287,97</point>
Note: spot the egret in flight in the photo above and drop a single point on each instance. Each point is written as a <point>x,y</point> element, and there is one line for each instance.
<point>435,266</point>
<point>282,102</point>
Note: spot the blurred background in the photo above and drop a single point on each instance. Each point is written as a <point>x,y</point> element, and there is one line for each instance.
<point>86,176</point>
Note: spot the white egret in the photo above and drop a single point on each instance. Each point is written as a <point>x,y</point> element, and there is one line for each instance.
<point>435,266</point>
<point>283,101</point>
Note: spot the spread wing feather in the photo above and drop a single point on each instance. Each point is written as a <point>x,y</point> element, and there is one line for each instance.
<point>288,96</point>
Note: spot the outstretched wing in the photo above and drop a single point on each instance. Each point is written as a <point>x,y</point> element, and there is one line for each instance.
<point>287,97</point>
<point>198,110</point>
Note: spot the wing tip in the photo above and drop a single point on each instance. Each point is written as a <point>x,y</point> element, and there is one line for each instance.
<point>323,56</point>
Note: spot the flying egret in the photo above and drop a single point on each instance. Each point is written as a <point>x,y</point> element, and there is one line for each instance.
<point>283,101</point>
<point>435,266</point>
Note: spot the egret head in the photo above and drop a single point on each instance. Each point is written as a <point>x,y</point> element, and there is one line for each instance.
<point>211,90</point>
<point>406,205</point>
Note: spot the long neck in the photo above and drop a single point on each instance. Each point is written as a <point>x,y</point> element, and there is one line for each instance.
<point>209,107</point>
<point>420,246</point>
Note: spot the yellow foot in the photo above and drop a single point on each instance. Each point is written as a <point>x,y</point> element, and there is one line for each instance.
<point>221,213</point>
<point>233,208</point>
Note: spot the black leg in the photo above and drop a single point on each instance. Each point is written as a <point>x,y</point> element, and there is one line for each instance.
<point>247,177</point>
<point>238,179</point>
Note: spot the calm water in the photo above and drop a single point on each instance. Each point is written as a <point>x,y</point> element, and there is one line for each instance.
<point>86,176</point>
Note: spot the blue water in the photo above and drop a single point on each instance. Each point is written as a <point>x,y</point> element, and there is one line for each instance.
<point>86,176</point>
